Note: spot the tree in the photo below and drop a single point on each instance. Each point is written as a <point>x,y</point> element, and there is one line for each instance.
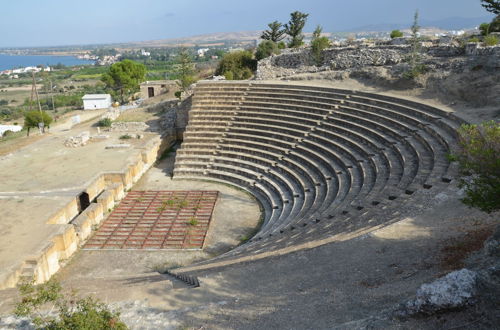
<point>318,44</point>
<point>124,76</point>
<point>396,34</point>
<point>34,117</point>
<point>414,59</point>
<point>185,70</point>
<point>236,65</point>
<point>266,49</point>
<point>275,32</point>
<point>477,155</point>
<point>294,28</point>
<point>493,6</point>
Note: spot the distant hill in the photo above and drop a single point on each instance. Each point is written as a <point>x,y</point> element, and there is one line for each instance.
<point>451,23</point>
<point>210,38</point>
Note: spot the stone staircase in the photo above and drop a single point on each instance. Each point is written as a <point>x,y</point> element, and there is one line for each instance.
<point>320,161</point>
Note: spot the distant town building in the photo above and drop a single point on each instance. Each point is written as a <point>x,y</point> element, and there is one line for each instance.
<point>145,53</point>
<point>201,52</point>
<point>156,87</point>
<point>96,101</point>
<point>27,69</point>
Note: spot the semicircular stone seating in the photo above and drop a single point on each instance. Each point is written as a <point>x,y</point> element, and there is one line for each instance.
<point>321,161</point>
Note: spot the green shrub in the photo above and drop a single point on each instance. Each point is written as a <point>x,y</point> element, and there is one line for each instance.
<point>484,28</point>
<point>105,122</point>
<point>178,94</point>
<point>265,49</point>
<point>281,45</point>
<point>317,47</point>
<point>236,65</point>
<point>71,312</point>
<point>414,72</point>
<point>491,40</point>
<point>193,222</point>
<point>474,39</point>
<point>477,155</point>
<point>125,137</point>
<point>396,34</point>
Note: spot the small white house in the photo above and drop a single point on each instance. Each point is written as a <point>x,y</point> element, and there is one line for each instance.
<point>96,101</point>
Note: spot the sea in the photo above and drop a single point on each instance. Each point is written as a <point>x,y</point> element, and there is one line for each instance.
<point>8,62</point>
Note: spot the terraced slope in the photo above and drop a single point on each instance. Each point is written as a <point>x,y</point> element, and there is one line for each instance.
<point>321,161</point>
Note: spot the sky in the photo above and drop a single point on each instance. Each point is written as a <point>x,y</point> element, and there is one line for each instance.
<point>30,23</point>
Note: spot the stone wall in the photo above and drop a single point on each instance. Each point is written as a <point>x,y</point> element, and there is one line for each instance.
<point>163,106</point>
<point>73,229</point>
<point>292,62</point>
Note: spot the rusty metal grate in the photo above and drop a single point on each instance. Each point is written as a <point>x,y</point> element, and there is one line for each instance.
<point>157,220</point>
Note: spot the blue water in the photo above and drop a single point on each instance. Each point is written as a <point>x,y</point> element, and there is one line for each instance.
<point>20,61</point>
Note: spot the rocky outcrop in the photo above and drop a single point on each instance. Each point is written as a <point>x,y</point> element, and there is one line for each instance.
<point>129,127</point>
<point>292,62</point>
<point>452,291</point>
<point>451,72</point>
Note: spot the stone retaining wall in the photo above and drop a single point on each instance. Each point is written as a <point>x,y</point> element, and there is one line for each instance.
<point>292,62</point>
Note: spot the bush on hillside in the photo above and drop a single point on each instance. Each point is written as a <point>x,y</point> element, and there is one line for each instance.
<point>317,47</point>
<point>484,28</point>
<point>105,122</point>
<point>236,65</point>
<point>71,312</point>
<point>491,40</point>
<point>266,49</point>
<point>396,34</point>
<point>477,155</point>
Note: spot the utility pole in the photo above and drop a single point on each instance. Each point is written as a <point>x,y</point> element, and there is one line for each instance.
<point>34,91</point>
<point>52,96</point>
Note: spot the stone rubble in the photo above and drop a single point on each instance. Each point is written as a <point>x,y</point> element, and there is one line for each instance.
<point>77,141</point>
<point>128,127</point>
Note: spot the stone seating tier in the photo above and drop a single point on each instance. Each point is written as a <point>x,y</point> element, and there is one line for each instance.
<point>319,160</point>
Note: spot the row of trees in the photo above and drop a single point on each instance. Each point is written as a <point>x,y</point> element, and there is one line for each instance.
<point>293,29</point>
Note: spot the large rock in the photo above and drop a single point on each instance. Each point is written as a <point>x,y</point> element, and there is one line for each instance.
<point>454,290</point>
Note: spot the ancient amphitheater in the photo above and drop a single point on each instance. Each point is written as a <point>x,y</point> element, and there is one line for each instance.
<point>356,193</point>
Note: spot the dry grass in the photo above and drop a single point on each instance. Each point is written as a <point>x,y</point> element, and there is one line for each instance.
<point>136,115</point>
<point>457,249</point>
<point>8,146</point>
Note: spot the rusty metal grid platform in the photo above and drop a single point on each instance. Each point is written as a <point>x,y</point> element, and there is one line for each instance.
<point>154,220</point>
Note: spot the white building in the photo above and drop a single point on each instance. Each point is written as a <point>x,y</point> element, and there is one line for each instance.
<point>12,128</point>
<point>201,52</point>
<point>96,101</point>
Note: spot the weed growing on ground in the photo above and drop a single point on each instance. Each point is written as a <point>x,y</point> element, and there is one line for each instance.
<point>182,205</point>
<point>193,222</point>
